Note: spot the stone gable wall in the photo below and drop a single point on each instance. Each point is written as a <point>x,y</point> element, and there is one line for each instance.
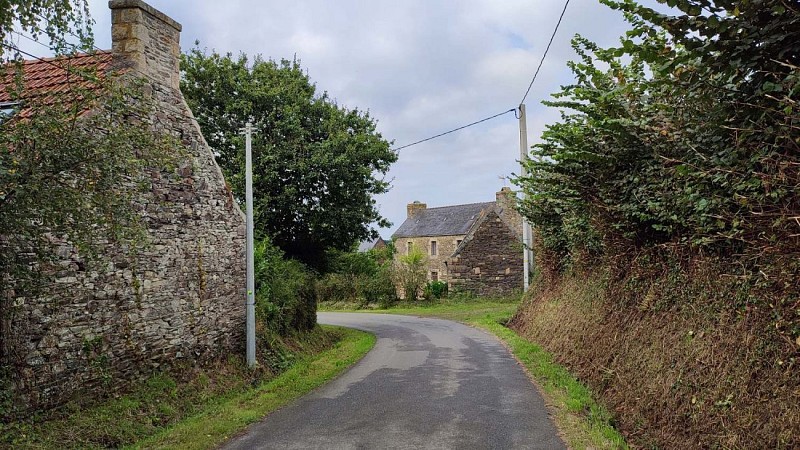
<point>180,299</point>
<point>489,262</point>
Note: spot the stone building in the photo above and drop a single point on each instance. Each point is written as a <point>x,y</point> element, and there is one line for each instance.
<point>475,247</point>
<point>371,244</point>
<point>181,298</point>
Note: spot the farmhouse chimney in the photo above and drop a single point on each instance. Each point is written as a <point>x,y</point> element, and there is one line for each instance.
<point>506,199</point>
<point>506,209</point>
<point>413,208</point>
<point>145,40</point>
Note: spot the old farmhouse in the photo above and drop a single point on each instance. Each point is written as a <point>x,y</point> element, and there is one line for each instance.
<point>475,247</point>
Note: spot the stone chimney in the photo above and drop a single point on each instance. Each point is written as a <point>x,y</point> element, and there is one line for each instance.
<point>146,40</point>
<point>506,202</point>
<point>506,199</point>
<point>413,208</point>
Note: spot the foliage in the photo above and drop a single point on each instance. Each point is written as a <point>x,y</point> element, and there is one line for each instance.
<point>410,273</point>
<point>686,134</point>
<point>285,300</point>
<point>70,166</point>
<point>435,290</point>
<point>54,19</point>
<point>353,263</point>
<point>316,165</point>
<point>193,407</point>
<point>359,277</point>
<point>676,151</point>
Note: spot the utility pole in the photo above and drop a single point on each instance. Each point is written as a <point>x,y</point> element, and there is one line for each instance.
<point>250,301</point>
<point>526,227</point>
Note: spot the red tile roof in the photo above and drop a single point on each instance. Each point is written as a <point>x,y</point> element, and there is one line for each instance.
<point>45,78</point>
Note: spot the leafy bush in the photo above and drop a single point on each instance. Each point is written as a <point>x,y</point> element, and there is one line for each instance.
<point>360,278</point>
<point>410,273</point>
<point>352,263</point>
<point>435,290</point>
<point>285,298</point>
<point>685,135</point>
<point>380,288</point>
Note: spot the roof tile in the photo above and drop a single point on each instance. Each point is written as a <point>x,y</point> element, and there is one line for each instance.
<point>49,76</point>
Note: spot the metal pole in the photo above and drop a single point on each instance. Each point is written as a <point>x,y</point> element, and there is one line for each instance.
<point>526,228</point>
<point>250,301</point>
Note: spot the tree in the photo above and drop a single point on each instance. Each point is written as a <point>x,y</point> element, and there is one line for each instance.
<point>55,19</point>
<point>316,165</point>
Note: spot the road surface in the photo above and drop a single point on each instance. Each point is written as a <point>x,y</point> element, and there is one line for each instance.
<point>428,383</point>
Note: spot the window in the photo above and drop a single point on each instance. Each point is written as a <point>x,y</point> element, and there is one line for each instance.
<point>458,242</point>
<point>434,250</point>
<point>434,275</point>
<point>7,109</point>
<point>409,246</point>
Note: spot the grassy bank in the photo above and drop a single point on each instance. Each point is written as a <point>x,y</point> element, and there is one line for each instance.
<point>195,408</point>
<point>584,423</point>
<point>684,359</point>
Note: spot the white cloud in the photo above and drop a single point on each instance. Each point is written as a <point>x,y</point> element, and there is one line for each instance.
<point>421,67</point>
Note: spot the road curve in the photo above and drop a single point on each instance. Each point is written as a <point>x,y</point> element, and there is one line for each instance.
<point>428,383</point>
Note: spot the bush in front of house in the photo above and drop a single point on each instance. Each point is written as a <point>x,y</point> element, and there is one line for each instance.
<point>410,273</point>
<point>435,290</point>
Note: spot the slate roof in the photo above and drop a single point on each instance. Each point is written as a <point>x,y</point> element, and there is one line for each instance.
<point>442,221</point>
<point>368,245</point>
<point>47,77</point>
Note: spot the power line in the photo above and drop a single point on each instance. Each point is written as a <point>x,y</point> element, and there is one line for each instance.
<point>545,52</point>
<point>32,40</point>
<point>455,129</point>
<point>31,55</point>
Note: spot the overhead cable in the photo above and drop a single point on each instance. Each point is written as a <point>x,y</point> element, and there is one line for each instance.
<point>455,129</point>
<point>545,52</point>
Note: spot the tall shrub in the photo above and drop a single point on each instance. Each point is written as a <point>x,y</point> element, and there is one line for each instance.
<point>687,134</point>
<point>410,273</point>
<point>285,300</point>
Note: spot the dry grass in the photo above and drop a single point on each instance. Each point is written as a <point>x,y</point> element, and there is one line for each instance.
<point>680,362</point>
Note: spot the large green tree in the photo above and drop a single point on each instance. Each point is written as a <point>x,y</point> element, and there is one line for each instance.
<point>317,165</point>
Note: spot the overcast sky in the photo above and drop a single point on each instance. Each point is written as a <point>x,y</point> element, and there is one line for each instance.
<point>420,67</point>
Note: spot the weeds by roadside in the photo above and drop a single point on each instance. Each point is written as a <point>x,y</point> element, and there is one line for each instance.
<point>176,410</point>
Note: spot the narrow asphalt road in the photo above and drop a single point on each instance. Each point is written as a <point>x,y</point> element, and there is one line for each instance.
<point>428,383</point>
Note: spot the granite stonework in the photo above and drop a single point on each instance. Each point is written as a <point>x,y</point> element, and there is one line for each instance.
<point>463,238</point>
<point>489,260</point>
<point>180,298</point>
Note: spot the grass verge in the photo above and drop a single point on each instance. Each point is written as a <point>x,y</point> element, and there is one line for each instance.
<point>221,421</point>
<point>196,408</point>
<point>583,422</point>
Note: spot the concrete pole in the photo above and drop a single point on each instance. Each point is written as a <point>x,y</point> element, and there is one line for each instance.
<point>526,228</point>
<point>250,301</point>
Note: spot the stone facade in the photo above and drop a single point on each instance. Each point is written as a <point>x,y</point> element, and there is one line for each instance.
<point>489,261</point>
<point>445,247</point>
<point>180,298</point>
<point>462,237</point>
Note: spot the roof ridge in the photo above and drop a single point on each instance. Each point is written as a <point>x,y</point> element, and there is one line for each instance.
<point>463,204</point>
<point>65,57</point>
